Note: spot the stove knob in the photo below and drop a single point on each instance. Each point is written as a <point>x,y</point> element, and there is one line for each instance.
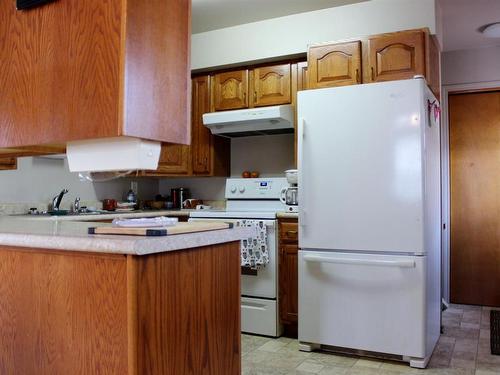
<point>233,189</point>
<point>242,189</point>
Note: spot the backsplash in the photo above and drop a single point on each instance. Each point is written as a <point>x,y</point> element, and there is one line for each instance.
<point>269,155</point>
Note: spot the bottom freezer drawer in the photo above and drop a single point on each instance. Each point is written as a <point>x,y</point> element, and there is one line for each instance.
<point>362,301</point>
<point>259,316</point>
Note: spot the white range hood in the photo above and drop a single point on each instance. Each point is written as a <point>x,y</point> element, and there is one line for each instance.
<point>255,121</point>
<point>113,154</point>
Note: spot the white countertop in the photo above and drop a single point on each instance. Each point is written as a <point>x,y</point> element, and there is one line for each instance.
<point>73,236</point>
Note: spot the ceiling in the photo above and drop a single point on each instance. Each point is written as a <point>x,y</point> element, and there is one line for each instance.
<point>217,14</point>
<point>462,18</point>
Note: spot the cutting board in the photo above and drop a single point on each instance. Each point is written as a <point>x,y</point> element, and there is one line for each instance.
<point>180,228</point>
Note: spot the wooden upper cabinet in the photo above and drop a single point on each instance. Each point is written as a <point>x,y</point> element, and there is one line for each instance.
<point>174,160</point>
<point>396,56</point>
<point>201,141</point>
<point>272,85</point>
<point>229,90</point>
<point>302,76</point>
<point>334,65</point>
<point>8,164</point>
<point>94,69</point>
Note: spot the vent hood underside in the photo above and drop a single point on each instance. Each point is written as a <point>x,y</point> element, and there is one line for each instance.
<point>250,122</point>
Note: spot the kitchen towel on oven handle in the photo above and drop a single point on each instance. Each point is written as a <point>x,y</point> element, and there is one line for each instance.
<point>254,250</point>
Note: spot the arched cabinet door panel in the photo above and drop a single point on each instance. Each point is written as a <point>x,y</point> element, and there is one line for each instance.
<point>229,90</point>
<point>272,85</point>
<point>334,65</point>
<point>396,56</point>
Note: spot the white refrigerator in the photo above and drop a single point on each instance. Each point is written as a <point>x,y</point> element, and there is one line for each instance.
<point>369,216</point>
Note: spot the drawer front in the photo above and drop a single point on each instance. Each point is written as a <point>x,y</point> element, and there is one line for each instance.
<point>289,231</point>
<point>259,316</point>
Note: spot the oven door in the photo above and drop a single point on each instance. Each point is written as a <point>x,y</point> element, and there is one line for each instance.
<point>261,283</point>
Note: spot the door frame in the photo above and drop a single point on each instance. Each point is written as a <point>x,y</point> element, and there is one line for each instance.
<point>448,90</point>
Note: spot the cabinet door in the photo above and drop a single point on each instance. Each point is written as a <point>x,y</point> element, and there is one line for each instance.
<point>174,159</point>
<point>302,76</point>
<point>272,85</point>
<point>8,164</point>
<point>334,65</point>
<point>201,138</point>
<point>229,90</point>
<point>288,284</point>
<point>396,56</point>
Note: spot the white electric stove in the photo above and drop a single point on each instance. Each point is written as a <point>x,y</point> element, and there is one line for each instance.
<point>258,199</point>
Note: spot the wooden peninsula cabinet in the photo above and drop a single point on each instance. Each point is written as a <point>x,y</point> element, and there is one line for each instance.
<point>101,306</point>
<point>91,69</point>
<point>288,275</point>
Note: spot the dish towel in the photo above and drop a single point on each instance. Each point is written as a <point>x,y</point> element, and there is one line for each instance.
<point>254,250</point>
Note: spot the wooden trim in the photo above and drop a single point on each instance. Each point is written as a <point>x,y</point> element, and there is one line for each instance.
<point>132,321</point>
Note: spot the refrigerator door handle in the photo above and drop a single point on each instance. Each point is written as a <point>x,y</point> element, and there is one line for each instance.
<point>358,261</point>
<point>301,137</point>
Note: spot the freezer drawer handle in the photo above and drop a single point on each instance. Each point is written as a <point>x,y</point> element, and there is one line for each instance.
<point>361,262</point>
<point>254,306</point>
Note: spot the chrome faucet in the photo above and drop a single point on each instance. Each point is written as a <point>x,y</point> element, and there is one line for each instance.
<point>56,202</point>
<point>76,205</point>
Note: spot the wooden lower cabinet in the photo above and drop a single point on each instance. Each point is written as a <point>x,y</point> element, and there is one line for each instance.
<point>288,275</point>
<point>169,313</point>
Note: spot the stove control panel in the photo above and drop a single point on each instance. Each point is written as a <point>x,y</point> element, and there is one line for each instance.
<point>255,188</point>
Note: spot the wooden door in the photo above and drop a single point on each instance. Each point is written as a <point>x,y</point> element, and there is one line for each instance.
<point>272,85</point>
<point>229,90</point>
<point>475,198</point>
<point>174,159</point>
<point>201,138</point>
<point>396,56</point>
<point>334,65</point>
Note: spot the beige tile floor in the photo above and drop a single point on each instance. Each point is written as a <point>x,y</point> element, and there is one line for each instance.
<point>463,349</point>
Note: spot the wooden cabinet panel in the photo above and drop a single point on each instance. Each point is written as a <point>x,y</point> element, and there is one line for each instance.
<point>396,56</point>
<point>272,85</point>
<point>434,66</point>
<point>201,138</point>
<point>8,164</point>
<point>334,65</point>
<point>288,275</point>
<point>229,90</point>
<point>302,76</point>
<point>174,159</point>
<point>66,64</point>
<point>289,231</point>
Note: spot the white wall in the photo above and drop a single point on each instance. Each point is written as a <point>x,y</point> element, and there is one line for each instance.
<point>38,180</point>
<point>291,35</point>
<point>270,155</point>
<point>471,66</point>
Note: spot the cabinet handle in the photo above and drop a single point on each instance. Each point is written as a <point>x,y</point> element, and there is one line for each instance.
<point>357,76</point>
<point>373,74</point>
<point>291,232</point>
<point>255,96</point>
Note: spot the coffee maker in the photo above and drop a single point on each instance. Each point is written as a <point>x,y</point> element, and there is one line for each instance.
<point>289,195</point>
